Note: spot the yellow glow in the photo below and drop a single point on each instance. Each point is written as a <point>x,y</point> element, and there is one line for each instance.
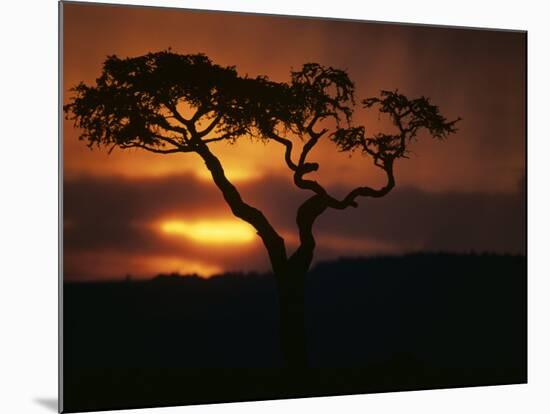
<point>164,264</point>
<point>232,173</point>
<point>211,231</point>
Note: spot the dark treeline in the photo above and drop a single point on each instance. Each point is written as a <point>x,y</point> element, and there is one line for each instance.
<point>373,324</point>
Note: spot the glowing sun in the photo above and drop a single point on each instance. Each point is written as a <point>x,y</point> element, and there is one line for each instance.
<point>210,231</point>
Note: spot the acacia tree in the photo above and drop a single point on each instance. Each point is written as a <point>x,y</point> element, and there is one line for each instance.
<point>170,103</point>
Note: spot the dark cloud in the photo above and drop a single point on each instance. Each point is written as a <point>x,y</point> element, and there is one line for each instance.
<point>109,211</point>
<point>113,215</point>
<point>418,220</point>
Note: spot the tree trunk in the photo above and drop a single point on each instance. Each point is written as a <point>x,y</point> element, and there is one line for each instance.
<point>291,286</point>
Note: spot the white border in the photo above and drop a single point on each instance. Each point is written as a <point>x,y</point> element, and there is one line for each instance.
<point>28,234</point>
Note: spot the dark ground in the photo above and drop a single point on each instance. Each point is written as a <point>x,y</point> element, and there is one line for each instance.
<point>373,325</point>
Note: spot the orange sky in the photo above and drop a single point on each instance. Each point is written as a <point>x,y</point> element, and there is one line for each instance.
<point>478,75</point>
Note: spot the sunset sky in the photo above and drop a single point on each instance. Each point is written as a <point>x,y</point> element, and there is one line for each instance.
<point>134,212</point>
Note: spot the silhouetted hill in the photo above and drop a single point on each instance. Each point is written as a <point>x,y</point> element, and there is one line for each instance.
<point>373,324</point>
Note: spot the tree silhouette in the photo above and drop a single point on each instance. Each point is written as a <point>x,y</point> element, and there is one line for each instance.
<point>170,103</point>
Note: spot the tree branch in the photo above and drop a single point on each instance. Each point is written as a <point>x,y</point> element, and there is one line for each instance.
<point>196,116</point>
<point>314,138</point>
<point>306,216</point>
<point>227,135</point>
<point>210,127</point>
<point>349,200</point>
<point>169,140</point>
<point>178,116</point>
<point>162,122</point>
<point>288,149</point>
<point>274,243</point>
<point>314,206</point>
<point>153,149</point>
<point>303,168</point>
<point>210,140</point>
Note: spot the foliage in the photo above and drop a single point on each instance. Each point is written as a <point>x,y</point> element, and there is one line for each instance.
<point>139,102</point>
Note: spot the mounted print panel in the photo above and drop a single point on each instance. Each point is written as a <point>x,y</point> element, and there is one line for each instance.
<point>263,207</point>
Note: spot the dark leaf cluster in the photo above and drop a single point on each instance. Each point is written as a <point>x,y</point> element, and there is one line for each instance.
<point>167,102</point>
